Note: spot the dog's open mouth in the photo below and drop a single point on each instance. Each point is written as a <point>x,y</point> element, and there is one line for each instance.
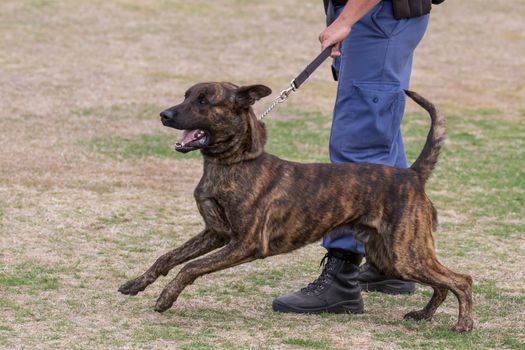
<point>191,140</point>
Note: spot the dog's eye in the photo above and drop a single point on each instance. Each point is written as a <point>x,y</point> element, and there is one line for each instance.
<point>202,100</point>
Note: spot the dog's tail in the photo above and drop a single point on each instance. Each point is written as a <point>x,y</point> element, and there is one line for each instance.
<point>426,161</point>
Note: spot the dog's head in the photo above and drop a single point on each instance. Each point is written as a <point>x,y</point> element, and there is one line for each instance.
<point>217,118</point>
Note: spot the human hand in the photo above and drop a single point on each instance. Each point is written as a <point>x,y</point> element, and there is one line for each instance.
<point>333,35</point>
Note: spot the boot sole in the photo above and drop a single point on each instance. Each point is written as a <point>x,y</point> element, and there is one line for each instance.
<point>344,307</point>
<point>393,287</point>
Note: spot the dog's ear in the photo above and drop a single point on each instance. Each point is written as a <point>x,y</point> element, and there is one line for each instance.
<point>246,96</point>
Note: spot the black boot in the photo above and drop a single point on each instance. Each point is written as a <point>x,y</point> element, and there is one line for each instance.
<point>372,281</point>
<point>336,290</point>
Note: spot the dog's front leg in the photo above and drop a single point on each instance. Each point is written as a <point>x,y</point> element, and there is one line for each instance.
<point>201,244</point>
<point>231,255</point>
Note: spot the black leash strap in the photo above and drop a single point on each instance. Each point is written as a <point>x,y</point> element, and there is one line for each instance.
<point>298,81</point>
<point>301,78</point>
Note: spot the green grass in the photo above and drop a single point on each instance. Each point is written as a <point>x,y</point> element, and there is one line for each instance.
<point>302,138</point>
<point>36,277</point>
<point>114,219</point>
<point>442,338</point>
<point>40,4</point>
<point>85,112</point>
<point>308,343</point>
<point>152,332</point>
<point>141,146</point>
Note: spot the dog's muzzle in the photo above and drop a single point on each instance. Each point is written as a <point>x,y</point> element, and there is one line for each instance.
<point>191,139</point>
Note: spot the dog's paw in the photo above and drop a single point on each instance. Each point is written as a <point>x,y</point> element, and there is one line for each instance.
<point>133,287</point>
<point>418,316</point>
<point>464,325</point>
<point>163,304</point>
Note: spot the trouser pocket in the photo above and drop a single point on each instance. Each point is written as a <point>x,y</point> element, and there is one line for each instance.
<point>370,118</point>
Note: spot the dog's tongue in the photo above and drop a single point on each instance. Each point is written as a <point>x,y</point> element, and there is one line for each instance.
<point>188,136</point>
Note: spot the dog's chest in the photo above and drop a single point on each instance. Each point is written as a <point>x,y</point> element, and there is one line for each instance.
<point>227,188</point>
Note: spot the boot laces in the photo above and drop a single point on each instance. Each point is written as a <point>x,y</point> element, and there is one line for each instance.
<point>327,262</point>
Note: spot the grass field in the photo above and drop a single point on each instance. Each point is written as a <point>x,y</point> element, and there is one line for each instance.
<point>91,191</point>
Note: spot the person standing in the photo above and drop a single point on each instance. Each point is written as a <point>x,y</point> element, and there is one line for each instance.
<point>373,46</point>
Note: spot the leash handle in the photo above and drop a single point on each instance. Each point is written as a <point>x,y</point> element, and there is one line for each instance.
<point>301,78</point>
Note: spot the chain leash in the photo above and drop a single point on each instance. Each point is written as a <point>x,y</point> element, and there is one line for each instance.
<point>280,99</point>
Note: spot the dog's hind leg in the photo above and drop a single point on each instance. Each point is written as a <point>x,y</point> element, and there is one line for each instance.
<point>201,244</point>
<point>231,255</point>
<point>439,296</point>
<point>433,273</point>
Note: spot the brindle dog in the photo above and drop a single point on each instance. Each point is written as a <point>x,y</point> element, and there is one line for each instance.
<point>256,205</point>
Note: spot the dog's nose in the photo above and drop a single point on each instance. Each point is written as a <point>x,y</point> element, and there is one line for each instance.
<point>167,114</point>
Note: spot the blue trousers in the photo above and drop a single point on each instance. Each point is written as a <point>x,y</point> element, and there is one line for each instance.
<point>373,70</point>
